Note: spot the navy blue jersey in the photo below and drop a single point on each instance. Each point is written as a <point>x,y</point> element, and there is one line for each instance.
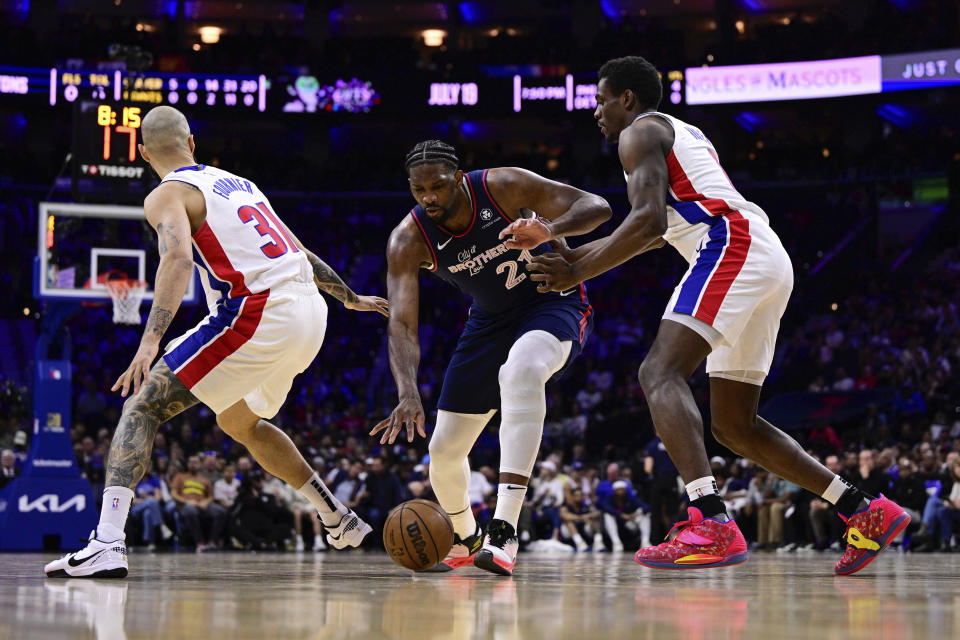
<point>478,263</point>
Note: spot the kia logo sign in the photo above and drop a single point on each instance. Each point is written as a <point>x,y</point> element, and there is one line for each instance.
<point>50,503</point>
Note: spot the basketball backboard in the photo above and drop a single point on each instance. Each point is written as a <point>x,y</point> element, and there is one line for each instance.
<point>81,246</point>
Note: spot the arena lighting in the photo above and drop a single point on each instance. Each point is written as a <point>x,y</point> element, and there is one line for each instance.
<point>210,35</point>
<point>433,37</point>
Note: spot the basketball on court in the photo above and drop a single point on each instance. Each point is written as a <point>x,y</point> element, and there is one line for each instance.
<point>385,320</point>
<point>417,534</point>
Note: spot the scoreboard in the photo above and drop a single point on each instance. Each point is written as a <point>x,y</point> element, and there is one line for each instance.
<point>67,86</point>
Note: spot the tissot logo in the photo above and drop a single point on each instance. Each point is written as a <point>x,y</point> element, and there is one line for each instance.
<point>111,171</point>
<point>50,503</point>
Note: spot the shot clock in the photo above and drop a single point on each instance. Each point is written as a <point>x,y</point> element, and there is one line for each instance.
<point>114,123</point>
<point>105,156</point>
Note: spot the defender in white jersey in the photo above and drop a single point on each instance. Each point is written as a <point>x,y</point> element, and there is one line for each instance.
<point>266,323</point>
<point>726,309</point>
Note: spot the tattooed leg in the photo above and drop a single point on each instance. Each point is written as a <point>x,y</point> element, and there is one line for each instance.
<point>163,397</point>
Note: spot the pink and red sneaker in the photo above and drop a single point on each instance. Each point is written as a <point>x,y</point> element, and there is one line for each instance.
<point>499,551</point>
<point>461,553</point>
<point>869,532</point>
<point>699,543</point>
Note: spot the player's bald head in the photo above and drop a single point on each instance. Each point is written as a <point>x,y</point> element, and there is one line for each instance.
<point>165,130</point>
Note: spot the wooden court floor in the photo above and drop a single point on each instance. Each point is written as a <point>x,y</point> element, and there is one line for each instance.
<point>583,597</point>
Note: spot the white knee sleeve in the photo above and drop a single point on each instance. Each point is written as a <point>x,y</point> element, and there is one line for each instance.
<point>534,357</point>
<point>449,446</point>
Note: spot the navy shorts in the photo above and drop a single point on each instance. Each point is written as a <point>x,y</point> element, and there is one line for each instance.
<point>471,383</point>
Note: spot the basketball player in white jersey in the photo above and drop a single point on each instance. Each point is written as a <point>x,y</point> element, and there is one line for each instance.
<point>726,310</point>
<point>267,321</point>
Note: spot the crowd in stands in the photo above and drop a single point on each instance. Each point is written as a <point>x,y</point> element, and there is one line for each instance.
<point>604,480</point>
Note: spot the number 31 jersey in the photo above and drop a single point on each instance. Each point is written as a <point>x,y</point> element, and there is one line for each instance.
<point>242,248</point>
<point>478,263</point>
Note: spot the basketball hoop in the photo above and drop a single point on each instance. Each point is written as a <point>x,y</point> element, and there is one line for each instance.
<point>127,296</point>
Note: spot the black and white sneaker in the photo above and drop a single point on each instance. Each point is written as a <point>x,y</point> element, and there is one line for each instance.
<point>99,559</point>
<point>349,532</point>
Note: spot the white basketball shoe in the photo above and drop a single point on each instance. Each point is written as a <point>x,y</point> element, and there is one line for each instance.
<point>99,559</point>
<point>499,551</point>
<point>349,532</point>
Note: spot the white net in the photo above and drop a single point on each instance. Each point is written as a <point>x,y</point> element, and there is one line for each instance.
<point>127,296</point>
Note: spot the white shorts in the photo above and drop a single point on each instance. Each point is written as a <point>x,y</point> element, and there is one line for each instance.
<point>252,348</point>
<point>734,294</point>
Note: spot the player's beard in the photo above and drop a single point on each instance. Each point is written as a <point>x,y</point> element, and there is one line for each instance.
<point>440,218</point>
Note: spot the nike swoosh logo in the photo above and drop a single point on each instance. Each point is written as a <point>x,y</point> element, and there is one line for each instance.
<point>70,561</point>
<point>516,487</point>
<point>566,293</point>
<point>441,246</point>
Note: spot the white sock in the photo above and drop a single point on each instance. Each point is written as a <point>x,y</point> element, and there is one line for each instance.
<point>464,524</point>
<point>610,524</point>
<point>113,513</point>
<point>452,439</point>
<point>321,497</point>
<point>578,540</point>
<point>701,487</point>
<point>835,490</point>
<point>509,503</point>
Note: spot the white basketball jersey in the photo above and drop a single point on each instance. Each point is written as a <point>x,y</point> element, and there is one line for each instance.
<point>242,248</point>
<point>699,190</point>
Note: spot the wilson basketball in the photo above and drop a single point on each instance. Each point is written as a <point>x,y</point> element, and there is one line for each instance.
<point>418,534</point>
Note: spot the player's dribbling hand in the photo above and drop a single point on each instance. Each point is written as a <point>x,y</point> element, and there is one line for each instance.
<point>552,273</point>
<point>370,303</point>
<point>528,233</point>
<point>138,373</point>
<point>408,413</point>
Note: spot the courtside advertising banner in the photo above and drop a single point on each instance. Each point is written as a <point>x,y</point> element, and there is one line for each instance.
<point>783,81</point>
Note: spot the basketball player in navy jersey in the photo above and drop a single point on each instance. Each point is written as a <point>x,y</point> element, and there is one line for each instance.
<point>515,340</point>
<point>726,310</point>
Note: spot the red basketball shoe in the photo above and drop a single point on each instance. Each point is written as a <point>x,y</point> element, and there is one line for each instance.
<point>869,532</point>
<point>699,543</point>
<point>461,553</point>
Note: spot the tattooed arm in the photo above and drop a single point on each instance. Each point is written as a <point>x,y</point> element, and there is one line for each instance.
<point>166,212</point>
<point>329,282</point>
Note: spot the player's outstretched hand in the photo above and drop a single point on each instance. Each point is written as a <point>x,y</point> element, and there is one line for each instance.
<point>552,272</point>
<point>370,303</point>
<point>528,233</point>
<point>408,413</point>
<point>138,373</point>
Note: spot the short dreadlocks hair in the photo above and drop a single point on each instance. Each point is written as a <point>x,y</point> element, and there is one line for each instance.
<point>636,74</point>
<point>430,151</point>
